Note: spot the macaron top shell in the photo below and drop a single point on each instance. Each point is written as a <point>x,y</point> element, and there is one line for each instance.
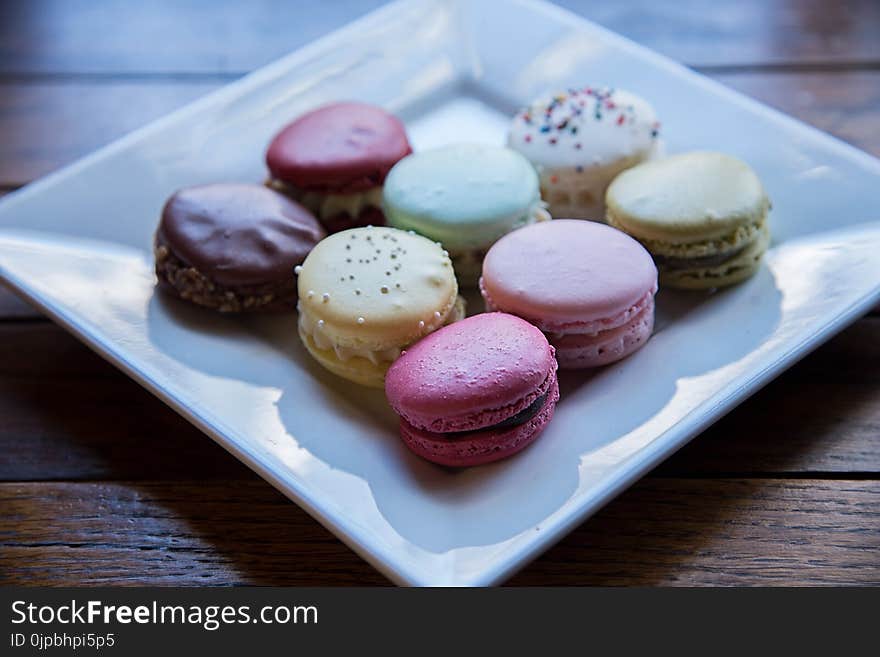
<point>464,195</point>
<point>471,374</point>
<point>238,234</point>
<point>685,198</point>
<point>338,148</point>
<point>377,287</point>
<point>567,271</point>
<point>584,127</point>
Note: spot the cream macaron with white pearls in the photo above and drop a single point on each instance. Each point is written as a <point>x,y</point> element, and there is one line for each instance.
<point>365,294</point>
<point>579,140</point>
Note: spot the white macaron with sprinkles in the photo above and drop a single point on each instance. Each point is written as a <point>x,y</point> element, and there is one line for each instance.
<point>579,140</point>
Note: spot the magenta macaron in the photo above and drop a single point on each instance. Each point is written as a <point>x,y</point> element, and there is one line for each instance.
<point>475,391</point>
<point>589,287</point>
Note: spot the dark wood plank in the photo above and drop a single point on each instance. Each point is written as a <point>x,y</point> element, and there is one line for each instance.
<point>744,32</point>
<point>197,533</point>
<point>845,104</point>
<point>662,532</point>
<point>723,532</point>
<point>69,415</point>
<point>113,37</point>
<point>14,307</point>
<point>44,126</point>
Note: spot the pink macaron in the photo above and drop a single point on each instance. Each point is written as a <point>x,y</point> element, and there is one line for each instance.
<point>589,287</point>
<point>474,391</point>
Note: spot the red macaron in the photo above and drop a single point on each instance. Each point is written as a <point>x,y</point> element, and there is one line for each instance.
<point>334,160</point>
<point>475,391</point>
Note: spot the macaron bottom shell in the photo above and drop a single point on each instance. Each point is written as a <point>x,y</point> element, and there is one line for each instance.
<point>732,271</point>
<point>482,446</point>
<point>582,350</point>
<point>358,369</point>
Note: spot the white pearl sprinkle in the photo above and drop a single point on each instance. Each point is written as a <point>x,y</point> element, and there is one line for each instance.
<point>445,254</point>
<point>297,269</point>
<point>320,323</point>
<point>360,320</point>
<point>437,314</point>
<point>421,324</point>
<point>310,294</point>
<point>325,297</point>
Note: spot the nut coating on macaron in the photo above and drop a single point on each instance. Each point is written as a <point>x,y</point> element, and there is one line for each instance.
<point>233,247</point>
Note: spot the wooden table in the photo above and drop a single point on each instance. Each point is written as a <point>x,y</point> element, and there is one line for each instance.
<point>103,484</point>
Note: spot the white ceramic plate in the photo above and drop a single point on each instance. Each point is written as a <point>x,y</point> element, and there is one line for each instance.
<point>77,244</point>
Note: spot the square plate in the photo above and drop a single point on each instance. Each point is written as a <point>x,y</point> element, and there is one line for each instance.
<point>77,244</point>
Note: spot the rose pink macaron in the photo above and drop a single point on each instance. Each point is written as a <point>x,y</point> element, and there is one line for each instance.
<point>334,159</point>
<point>589,287</point>
<point>474,391</point>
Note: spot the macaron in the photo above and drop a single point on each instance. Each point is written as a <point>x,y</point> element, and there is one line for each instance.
<point>334,160</point>
<point>702,215</point>
<point>465,196</point>
<point>367,293</point>
<point>476,391</point>
<point>579,140</point>
<point>233,247</point>
<point>589,287</point>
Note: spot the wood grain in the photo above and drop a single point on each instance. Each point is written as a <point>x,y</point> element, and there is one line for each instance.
<point>69,415</point>
<point>662,532</point>
<point>14,307</point>
<point>845,104</point>
<point>45,126</point>
<point>114,37</point>
<point>730,532</point>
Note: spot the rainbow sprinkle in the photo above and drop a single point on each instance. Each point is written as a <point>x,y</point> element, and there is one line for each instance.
<point>561,115</point>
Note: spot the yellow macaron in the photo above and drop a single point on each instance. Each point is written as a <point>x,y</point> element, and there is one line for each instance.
<point>702,215</point>
<point>367,293</point>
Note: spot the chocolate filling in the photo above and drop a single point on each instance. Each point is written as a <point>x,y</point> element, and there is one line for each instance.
<point>671,263</point>
<point>514,420</point>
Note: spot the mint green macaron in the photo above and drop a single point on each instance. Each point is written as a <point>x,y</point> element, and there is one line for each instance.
<point>465,196</point>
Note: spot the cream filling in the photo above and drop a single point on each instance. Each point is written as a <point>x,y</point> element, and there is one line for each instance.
<point>746,259</point>
<point>325,206</point>
<point>314,329</point>
<point>539,213</point>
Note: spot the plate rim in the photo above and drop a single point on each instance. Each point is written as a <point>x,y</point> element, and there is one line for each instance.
<point>554,528</point>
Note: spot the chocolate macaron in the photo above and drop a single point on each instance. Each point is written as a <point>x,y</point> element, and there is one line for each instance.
<point>334,160</point>
<point>233,247</point>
